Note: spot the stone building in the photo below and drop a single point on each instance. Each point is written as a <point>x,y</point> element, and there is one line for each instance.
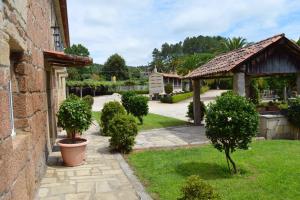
<point>158,81</point>
<point>32,84</point>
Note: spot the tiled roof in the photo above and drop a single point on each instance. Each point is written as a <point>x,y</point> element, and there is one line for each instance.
<point>171,75</point>
<point>228,61</point>
<point>66,60</point>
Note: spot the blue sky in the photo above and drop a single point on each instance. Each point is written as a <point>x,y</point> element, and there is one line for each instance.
<point>133,28</point>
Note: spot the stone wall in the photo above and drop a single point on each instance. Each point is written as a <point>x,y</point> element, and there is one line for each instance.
<point>277,127</point>
<point>25,31</point>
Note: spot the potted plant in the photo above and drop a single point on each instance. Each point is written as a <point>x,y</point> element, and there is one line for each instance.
<point>74,116</point>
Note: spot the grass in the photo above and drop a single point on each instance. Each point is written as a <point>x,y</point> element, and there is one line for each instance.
<point>270,170</point>
<point>151,121</point>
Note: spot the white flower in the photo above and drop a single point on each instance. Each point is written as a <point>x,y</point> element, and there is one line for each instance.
<point>229,119</point>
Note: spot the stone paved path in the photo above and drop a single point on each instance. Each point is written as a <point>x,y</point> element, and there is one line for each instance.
<point>104,176</point>
<point>171,137</point>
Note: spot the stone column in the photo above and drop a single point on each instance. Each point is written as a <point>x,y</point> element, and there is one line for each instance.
<point>298,84</point>
<point>196,102</point>
<point>239,83</point>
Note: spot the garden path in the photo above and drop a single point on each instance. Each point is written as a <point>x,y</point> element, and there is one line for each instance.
<point>176,110</point>
<point>104,175</point>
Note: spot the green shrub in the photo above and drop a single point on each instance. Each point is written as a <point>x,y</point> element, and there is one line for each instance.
<point>110,110</point>
<point>180,97</point>
<point>89,100</point>
<point>196,189</point>
<point>74,116</point>
<point>231,122</point>
<point>125,99</point>
<point>168,88</point>
<point>138,106</point>
<point>123,130</point>
<point>190,113</point>
<point>166,99</point>
<point>293,112</point>
<point>73,97</point>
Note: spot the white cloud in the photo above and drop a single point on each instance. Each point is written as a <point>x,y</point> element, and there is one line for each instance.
<point>133,28</point>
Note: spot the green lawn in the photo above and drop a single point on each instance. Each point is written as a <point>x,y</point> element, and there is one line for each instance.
<point>269,170</point>
<point>151,121</point>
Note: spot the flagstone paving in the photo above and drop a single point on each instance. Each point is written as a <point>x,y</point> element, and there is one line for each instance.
<point>171,137</point>
<point>104,175</point>
<point>107,176</point>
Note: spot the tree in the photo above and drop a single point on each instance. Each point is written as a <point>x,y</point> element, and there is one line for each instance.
<point>115,66</point>
<point>234,43</point>
<point>231,122</point>
<point>75,73</point>
<point>138,106</point>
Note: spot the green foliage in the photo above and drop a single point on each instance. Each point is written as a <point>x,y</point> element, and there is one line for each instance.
<point>180,97</point>
<point>138,106</point>
<point>115,66</point>
<point>109,111</point>
<point>254,92</point>
<point>75,73</point>
<point>186,55</point>
<point>89,100</point>
<point>190,62</point>
<point>196,189</point>
<point>123,130</point>
<point>125,99</point>
<point>231,122</point>
<point>166,99</point>
<point>168,88</point>
<point>175,98</point>
<point>74,116</point>
<point>234,43</point>
<point>293,112</point>
<point>190,113</point>
<point>73,97</point>
<point>77,49</point>
<point>298,42</point>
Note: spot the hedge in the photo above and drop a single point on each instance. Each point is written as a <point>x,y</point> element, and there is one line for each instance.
<point>180,97</point>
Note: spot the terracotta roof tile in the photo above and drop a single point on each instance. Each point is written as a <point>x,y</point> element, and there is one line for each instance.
<point>228,61</point>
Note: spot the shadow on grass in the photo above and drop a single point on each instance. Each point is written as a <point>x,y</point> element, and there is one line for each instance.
<point>207,171</point>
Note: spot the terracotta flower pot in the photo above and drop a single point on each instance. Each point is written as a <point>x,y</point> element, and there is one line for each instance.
<point>73,154</point>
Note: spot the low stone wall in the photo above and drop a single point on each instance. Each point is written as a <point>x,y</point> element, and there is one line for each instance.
<point>277,127</point>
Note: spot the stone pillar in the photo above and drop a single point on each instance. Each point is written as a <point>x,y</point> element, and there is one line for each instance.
<point>239,83</point>
<point>298,84</point>
<point>196,102</point>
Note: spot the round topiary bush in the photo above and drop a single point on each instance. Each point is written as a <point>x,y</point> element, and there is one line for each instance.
<point>196,189</point>
<point>110,110</point>
<point>231,122</point>
<point>74,116</point>
<point>89,100</point>
<point>123,130</point>
<point>168,88</point>
<point>125,99</point>
<point>138,106</point>
<point>190,112</point>
<point>293,112</point>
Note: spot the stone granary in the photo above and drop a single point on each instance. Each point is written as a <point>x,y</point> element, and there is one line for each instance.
<point>158,81</point>
<point>32,84</point>
<point>276,55</point>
